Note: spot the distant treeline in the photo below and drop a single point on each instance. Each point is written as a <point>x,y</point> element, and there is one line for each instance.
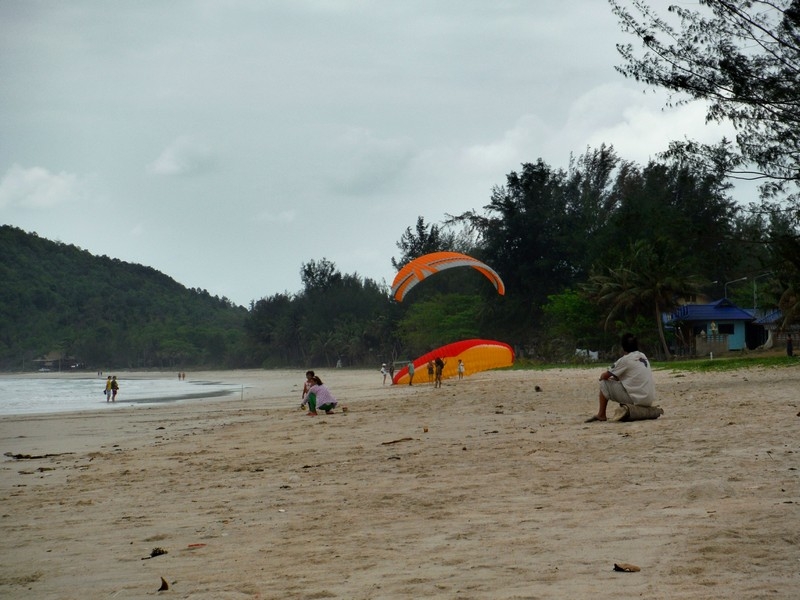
<point>603,246</point>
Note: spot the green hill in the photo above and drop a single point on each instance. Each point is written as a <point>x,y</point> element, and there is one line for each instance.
<point>58,301</point>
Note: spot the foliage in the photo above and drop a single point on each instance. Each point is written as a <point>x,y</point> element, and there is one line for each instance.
<point>784,245</point>
<point>650,279</point>
<point>440,320</point>
<point>425,238</point>
<point>669,200</point>
<point>549,230</point>
<point>538,233</point>
<point>335,318</point>
<point>742,57</point>
<point>319,276</point>
<point>572,321</point>
<point>57,298</point>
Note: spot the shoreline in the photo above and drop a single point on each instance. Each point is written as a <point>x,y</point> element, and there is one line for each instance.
<point>65,393</point>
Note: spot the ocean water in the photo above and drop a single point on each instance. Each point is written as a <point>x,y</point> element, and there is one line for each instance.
<point>53,394</point>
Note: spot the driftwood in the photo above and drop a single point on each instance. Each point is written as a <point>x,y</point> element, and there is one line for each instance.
<point>34,456</point>
<point>406,439</point>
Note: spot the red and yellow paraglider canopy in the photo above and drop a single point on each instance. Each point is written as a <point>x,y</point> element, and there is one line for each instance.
<point>430,264</point>
<point>476,355</point>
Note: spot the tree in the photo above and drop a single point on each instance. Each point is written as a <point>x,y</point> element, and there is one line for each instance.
<point>571,321</point>
<point>742,57</point>
<point>440,320</point>
<point>785,247</point>
<point>540,232</point>
<point>319,275</point>
<point>681,202</point>
<point>648,281</point>
<point>423,240</point>
<point>335,316</point>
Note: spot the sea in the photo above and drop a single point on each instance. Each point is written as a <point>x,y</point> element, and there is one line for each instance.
<point>26,395</point>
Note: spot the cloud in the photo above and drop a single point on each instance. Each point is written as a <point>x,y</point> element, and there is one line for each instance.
<point>284,216</point>
<point>186,155</point>
<point>361,162</point>
<point>517,144</point>
<point>36,187</point>
<point>639,126</point>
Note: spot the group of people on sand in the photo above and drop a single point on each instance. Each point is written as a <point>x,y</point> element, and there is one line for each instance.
<point>112,387</point>
<point>388,371</point>
<point>629,381</point>
<point>316,396</point>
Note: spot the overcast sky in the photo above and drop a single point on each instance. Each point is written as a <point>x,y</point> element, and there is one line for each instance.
<point>227,142</point>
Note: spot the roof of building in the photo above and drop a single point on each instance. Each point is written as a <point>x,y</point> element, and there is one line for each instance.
<point>720,310</point>
<point>770,318</point>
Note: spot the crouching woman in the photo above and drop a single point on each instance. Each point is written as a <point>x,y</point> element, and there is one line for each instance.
<point>320,398</point>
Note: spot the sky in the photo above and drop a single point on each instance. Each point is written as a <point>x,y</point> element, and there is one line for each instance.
<point>226,143</point>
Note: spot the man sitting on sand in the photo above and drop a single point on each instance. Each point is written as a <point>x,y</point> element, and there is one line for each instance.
<point>628,381</point>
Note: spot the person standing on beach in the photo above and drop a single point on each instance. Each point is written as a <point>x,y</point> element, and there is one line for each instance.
<point>460,369</point>
<point>306,386</point>
<point>320,398</point>
<point>391,373</point>
<point>108,389</point>
<point>439,365</point>
<point>410,373</point>
<point>430,371</point>
<point>628,381</point>
<point>384,372</point>
<point>114,388</point>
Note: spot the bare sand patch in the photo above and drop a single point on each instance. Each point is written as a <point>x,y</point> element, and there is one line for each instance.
<point>508,494</point>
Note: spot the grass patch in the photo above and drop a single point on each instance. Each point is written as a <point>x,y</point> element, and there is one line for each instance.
<point>728,364</point>
<point>695,365</point>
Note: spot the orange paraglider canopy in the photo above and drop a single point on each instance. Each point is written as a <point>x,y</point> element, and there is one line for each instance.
<point>476,355</point>
<point>430,264</point>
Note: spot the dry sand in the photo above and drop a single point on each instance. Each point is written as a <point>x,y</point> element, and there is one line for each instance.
<point>508,494</point>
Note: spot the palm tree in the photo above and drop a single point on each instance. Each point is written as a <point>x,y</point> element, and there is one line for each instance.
<point>648,281</point>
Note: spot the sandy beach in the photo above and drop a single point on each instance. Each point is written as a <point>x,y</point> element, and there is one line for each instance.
<point>480,489</point>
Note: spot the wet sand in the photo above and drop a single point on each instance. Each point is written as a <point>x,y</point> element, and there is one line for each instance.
<point>480,489</point>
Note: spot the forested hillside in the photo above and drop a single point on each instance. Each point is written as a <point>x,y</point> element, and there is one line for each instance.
<point>59,300</point>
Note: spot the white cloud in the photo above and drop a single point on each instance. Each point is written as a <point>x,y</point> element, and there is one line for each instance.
<point>283,216</point>
<point>639,126</point>
<point>186,155</point>
<point>518,144</point>
<point>361,162</point>
<point>36,187</point>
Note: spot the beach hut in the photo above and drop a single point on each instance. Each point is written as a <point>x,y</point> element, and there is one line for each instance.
<point>773,333</point>
<point>710,329</point>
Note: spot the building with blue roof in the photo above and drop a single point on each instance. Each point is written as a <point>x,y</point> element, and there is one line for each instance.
<point>717,327</point>
<point>777,334</point>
